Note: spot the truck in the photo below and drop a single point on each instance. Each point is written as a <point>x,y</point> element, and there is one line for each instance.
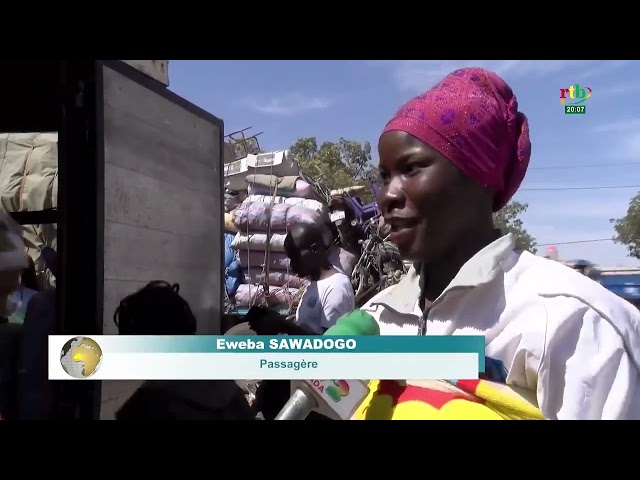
<point>139,197</point>
<point>623,281</point>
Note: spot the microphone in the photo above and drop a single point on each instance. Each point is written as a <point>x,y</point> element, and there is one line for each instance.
<point>336,399</point>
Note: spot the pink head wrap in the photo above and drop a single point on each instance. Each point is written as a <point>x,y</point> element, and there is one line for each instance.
<point>471,117</point>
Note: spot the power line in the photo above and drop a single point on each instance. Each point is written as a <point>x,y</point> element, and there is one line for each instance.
<point>575,242</point>
<point>601,187</point>
<point>594,165</point>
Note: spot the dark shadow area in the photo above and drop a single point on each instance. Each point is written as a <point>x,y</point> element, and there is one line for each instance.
<point>49,97</point>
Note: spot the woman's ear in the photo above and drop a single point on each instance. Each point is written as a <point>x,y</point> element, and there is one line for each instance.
<point>176,287</point>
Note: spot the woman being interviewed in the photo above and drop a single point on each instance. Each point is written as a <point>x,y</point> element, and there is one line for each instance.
<point>449,159</point>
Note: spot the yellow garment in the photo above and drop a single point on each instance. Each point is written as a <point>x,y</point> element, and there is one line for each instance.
<point>441,400</point>
<point>228,223</point>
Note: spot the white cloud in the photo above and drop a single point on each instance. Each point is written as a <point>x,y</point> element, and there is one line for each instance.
<point>417,75</point>
<point>290,105</point>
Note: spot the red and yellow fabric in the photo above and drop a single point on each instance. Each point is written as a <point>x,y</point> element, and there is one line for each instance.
<point>442,400</point>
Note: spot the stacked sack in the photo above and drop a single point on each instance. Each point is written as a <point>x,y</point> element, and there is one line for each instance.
<point>273,207</point>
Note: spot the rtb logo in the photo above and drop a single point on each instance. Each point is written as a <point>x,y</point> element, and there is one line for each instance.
<point>574,95</point>
<point>337,390</point>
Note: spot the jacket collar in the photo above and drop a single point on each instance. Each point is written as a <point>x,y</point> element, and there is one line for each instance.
<point>482,268</point>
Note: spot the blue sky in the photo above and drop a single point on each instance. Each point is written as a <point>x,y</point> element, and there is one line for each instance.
<point>354,99</point>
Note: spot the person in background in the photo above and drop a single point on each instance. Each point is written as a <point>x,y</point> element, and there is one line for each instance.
<point>342,259</point>
<point>449,159</point>
<point>36,391</point>
<point>328,296</point>
<point>233,275</point>
<point>12,262</point>
<point>343,237</point>
<point>158,309</point>
<point>28,277</point>
<point>27,288</point>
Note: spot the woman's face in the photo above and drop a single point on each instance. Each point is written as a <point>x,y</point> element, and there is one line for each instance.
<point>426,200</point>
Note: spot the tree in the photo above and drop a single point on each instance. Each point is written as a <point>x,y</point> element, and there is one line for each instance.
<point>340,164</point>
<point>627,228</point>
<point>508,219</point>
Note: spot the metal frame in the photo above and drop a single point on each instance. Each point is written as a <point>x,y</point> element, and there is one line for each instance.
<point>81,209</point>
<point>243,141</point>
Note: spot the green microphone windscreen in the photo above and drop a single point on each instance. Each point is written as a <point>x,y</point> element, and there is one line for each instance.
<point>355,323</point>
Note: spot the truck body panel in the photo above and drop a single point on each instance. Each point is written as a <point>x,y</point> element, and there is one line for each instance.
<point>156,69</point>
<point>163,204</point>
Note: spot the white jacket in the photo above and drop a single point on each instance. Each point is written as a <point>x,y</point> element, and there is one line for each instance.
<point>548,329</point>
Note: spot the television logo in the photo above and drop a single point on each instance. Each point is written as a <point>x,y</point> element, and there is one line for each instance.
<point>337,390</point>
<point>341,397</point>
<point>572,97</point>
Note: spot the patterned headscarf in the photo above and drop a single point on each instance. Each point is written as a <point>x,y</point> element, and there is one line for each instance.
<point>471,117</point>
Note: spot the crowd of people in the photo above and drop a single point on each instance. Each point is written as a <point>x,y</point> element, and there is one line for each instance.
<point>449,158</point>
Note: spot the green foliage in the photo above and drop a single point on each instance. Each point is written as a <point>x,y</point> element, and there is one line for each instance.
<point>627,228</point>
<point>340,164</point>
<point>508,220</point>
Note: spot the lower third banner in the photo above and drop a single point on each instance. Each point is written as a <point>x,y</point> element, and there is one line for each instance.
<point>203,357</point>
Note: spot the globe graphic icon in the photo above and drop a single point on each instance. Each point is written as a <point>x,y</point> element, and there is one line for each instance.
<point>81,357</point>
